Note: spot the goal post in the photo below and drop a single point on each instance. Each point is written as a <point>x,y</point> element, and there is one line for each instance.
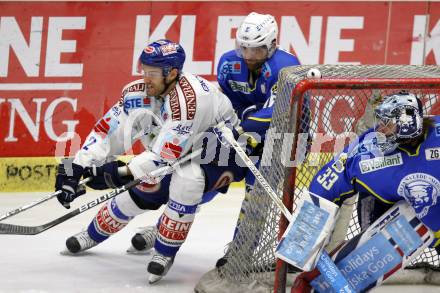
<point>313,119</point>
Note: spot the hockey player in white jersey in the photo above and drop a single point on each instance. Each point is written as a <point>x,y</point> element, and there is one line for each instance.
<point>168,110</point>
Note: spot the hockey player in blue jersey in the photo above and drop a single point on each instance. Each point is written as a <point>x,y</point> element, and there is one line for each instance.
<point>398,159</point>
<point>248,76</point>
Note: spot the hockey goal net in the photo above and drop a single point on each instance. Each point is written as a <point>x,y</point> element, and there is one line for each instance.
<point>313,119</point>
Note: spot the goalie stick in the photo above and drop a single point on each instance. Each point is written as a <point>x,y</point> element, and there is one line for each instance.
<point>37,202</point>
<point>324,263</point>
<point>33,230</point>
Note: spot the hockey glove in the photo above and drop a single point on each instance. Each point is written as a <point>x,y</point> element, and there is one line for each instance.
<point>107,176</point>
<point>67,180</point>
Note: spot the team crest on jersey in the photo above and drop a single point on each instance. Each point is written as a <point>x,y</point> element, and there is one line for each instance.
<point>420,190</point>
<point>371,165</point>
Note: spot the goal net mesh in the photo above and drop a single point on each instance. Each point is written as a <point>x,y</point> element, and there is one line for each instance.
<point>317,123</point>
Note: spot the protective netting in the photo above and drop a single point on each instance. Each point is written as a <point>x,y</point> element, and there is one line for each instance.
<point>320,128</point>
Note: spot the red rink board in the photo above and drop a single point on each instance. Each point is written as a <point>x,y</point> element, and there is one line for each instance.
<point>85,51</point>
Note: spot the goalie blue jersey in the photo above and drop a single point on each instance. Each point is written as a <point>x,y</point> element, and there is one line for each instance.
<point>234,79</point>
<point>409,173</point>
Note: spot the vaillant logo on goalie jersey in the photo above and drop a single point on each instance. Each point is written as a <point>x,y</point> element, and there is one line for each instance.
<point>375,164</point>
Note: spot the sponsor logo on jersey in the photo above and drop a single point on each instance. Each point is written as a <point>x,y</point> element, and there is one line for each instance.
<point>266,71</point>
<point>137,87</point>
<point>171,150</point>
<point>183,129</point>
<point>235,67</point>
<point>437,129</point>
<point>136,102</point>
<point>116,111</point>
<point>421,191</point>
<point>190,98</point>
<point>239,86</point>
<point>106,223</point>
<point>170,229</point>
<point>175,105</point>
<point>432,154</point>
<point>181,208</point>
<point>371,165</point>
<point>203,84</point>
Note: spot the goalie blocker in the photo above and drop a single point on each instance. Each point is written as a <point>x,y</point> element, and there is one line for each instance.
<point>368,259</point>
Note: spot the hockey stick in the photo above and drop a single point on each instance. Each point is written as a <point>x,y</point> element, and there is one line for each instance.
<point>37,202</point>
<point>33,230</point>
<point>324,264</point>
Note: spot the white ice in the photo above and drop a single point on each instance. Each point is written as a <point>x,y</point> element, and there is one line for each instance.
<point>33,264</point>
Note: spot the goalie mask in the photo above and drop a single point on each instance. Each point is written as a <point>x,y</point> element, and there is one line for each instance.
<point>257,34</point>
<point>399,117</point>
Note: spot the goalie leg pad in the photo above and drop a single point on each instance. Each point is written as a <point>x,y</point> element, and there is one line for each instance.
<point>388,245</point>
<point>309,230</point>
<point>112,217</point>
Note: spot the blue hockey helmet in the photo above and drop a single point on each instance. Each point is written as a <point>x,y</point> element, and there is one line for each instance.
<point>405,111</point>
<point>164,54</point>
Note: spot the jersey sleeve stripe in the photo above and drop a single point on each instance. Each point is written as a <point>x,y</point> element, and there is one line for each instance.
<point>372,192</point>
<point>260,119</point>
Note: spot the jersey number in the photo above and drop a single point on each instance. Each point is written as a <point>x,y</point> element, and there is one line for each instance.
<point>327,179</point>
<point>435,154</point>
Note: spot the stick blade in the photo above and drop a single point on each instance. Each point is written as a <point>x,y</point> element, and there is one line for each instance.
<point>10,229</point>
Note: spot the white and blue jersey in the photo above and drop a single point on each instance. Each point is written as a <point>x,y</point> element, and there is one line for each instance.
<point>234,79</point>
<point>409,173</point>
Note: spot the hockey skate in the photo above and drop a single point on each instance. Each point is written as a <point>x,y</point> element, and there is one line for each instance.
<point>143,241</point>
<point>158,267</point>
<point>224,259</point>
<point>78,243</point>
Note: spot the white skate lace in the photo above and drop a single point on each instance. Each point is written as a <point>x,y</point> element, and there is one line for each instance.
<point>149,234</point>
<point>161,259</point>
<point>85,241</point>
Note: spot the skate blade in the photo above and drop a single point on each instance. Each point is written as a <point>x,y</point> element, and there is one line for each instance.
<point>152,279</point>
<point>134,251</point>
<point>66,252</point>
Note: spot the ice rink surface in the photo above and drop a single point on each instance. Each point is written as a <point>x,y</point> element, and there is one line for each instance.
<point>33,264</point>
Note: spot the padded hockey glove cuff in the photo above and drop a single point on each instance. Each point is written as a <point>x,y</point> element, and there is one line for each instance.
<point>107,176</point>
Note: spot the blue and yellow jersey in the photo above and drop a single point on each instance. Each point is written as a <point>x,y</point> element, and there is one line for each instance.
<point>233,77</point>
<point>409,173</point>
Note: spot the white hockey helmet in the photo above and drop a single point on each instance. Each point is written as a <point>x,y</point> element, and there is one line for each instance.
<point>257,30</point>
